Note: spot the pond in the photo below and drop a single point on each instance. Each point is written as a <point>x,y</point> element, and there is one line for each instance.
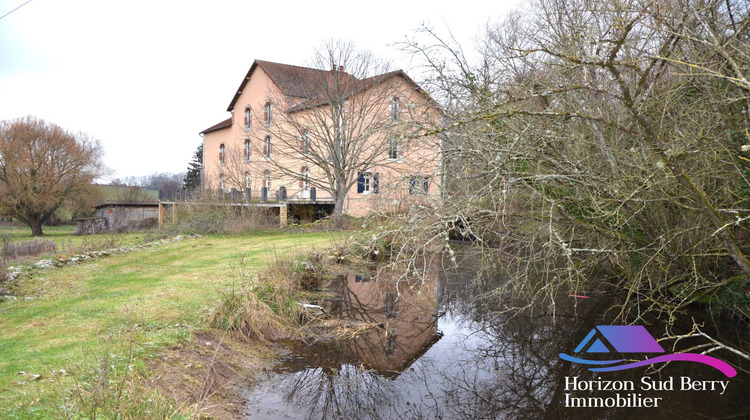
<point>439,350</point>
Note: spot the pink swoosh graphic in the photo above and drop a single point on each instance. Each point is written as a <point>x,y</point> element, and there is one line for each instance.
<point>721,365</point>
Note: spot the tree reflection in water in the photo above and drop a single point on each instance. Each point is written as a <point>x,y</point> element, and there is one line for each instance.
<point>487,364</point>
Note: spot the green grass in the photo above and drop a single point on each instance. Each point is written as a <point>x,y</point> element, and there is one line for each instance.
<point>64,316</point>
<point>68,243</point>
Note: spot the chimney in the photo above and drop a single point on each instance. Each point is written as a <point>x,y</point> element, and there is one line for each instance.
<point>342,78</point>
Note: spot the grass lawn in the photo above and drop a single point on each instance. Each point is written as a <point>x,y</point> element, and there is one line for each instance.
<point>65,317</point>
<point>68,243</point>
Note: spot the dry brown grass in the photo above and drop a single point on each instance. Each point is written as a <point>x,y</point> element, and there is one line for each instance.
<point>32,248</point>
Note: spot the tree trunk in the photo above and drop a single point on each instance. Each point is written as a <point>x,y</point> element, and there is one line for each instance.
<point>338,211</point>
<point>36,226</point>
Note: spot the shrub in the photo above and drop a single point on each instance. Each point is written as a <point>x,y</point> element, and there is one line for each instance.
<point>31,248</point>
<point>207,215</point>
<point>264,306</point>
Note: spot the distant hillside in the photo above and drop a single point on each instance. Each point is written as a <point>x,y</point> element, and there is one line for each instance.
<point>125,194</point>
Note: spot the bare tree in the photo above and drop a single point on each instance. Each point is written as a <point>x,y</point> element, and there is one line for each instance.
<point>41,166</point>
<point>347,121</point>
<point>602,143</point>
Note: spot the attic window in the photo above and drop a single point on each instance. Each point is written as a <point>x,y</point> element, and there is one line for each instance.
<point>395,108</point>
<point>268,117</point>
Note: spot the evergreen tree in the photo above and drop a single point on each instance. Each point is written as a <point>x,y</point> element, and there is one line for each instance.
<point>193,175</point>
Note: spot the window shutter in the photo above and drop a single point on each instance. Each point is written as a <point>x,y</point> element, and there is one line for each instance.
<point>375,183</point>
<point>360,182</point>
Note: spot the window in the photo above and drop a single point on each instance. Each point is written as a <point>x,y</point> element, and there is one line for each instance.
<point>248,180</point>
<point>367,183</point>
<point>222,184</point>
<point>248,117</point>
<point>305,143</point>
<point>247,150</point>
<point>395,108</point>
<point>267,147</point>
<point>419,184</point>
<point>222,154</point>
<point>393,149</point>
<point>267,179</point>
<point>304,182</point>
<point>267,117</point>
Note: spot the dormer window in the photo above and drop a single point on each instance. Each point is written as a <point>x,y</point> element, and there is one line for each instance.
<point>222,154</point>
<point>268,117</point>
<point>247,150</point>
<point>248,117</point>
<point>395,108</point>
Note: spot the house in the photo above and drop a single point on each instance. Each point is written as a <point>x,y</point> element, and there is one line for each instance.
<point>296,134</point>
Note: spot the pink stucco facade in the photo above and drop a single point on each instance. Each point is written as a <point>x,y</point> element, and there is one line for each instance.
<point>236,153</point>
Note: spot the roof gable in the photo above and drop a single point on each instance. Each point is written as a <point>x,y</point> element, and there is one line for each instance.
<point>291,80</point>
<point>224,124</point>
<point>295,81</point>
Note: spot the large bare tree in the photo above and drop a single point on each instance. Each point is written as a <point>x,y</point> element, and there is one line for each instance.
<point>41,166</point>
<point>604,143</point>
<point>344,122</point>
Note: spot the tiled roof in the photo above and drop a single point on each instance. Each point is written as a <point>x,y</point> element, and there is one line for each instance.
<point>224,124</point>
<point>356,87</point>
<point>293,81</point>
<point>300,82</point>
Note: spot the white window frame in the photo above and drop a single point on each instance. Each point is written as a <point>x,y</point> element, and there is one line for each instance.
<point>394,149</point>
<point>395,108</point>
<point>305,182</point>
<point>367,181</point>
<point>268,113</point>
<point>247,149</point>
<point>268,145</point>
<point>305,143</point>
<point>248,118</point>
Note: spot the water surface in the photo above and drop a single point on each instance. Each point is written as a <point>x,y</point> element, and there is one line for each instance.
<point>442,352</point>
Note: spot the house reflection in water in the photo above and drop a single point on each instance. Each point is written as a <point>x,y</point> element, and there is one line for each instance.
<point>406,316</point>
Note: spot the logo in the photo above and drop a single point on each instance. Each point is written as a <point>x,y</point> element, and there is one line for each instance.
<point>634,339</point>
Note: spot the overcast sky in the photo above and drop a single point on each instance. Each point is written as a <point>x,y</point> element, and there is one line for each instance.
<point>145,77</point>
